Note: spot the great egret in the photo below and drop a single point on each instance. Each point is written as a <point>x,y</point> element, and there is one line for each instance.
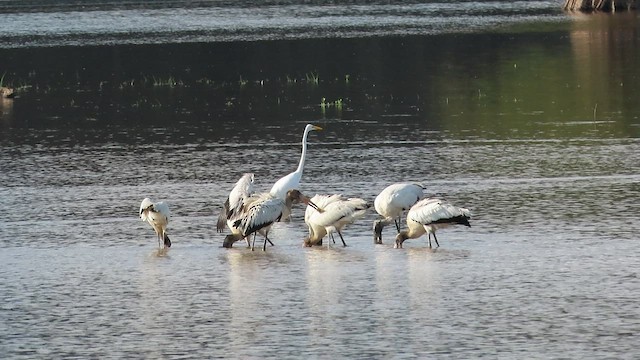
<point>157,215</point>
<point>337,212</point>
<point>429,215</point>
<point>260,212</point>
<point>292,180</point>
<point>391,203</point>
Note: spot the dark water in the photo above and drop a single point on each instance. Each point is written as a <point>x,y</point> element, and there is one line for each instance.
<point>534,126</point>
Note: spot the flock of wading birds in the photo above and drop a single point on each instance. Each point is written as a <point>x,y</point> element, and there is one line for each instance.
<point>246,213</point>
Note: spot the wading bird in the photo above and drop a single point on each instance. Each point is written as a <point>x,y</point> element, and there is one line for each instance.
<point>337,212</point>
<point>429,215</point>
<point>292,180</point>
<point>260,212</point>
<point>234,204</point>
<point>157,215</point>
<point>391,203</point>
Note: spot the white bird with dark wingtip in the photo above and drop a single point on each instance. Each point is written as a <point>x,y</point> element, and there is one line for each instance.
<point>429,215</point>
<point>292,180</point>
<point>337,212</point>
<point>157,215</point>
<point>235,202</point>
<point>260,212</point>
<point>391,203</point>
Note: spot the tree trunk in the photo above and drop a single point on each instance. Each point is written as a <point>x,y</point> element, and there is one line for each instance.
<point>601,5</point>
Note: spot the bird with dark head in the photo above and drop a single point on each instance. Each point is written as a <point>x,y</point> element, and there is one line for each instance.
<point>429,215</point>
<point>338,212</point>
<point>391,203</point>
<point>157,215</point>
<point>235,202</point>
<point>260,213</point>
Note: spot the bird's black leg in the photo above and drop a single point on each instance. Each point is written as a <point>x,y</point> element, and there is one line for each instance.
<point>253,245</point>
<point>436,239</point>
<point>341,238</point>
<point>264,244</point>
<point>429,235</point>
<point>331,236</point>
<point>270,243</point>
<point>397,221</point>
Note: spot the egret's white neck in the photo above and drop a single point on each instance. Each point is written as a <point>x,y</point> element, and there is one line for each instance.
<point>303,157</point>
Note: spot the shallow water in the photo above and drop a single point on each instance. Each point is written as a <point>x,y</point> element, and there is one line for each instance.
<point>502,123</point>
<point>40,23</point>
<point>547,268</point>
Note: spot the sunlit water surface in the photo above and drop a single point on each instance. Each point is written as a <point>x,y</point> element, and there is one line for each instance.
<point>500,124</point>
<point>40,23</point>
<point>549,266</point>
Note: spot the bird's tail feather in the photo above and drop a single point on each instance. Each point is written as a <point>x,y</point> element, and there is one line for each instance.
<point>463,220</point>
<point>167,241</point>
<point>222,221</point>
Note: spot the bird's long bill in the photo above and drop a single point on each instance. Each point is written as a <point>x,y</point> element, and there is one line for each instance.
<point>317,128</point>
<point>310,203</point>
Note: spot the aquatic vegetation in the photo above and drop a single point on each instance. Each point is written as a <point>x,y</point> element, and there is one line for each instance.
<point>128,83</point>
<point>205,81</point>
<point>291,81</point>
<point>313,78</point>
<point>324,105</point>
<point>242,82</point>
<point>170,82</point>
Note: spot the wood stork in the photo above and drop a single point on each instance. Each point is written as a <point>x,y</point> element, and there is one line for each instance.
<point>292,180</point>
<point>337,212</point>
<point>157,215</point>
<point>260,212</point>
<point>429,215</point>
<point>234,204</point>
<point>391,203</point>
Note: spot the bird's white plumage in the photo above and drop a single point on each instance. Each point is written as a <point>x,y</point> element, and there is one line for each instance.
<point>146,204</point>
<point>259,213</point>
<point>261,210</point>
<point>243,189</point>
<point>337,213</point>
<point>396,198</point>
<point>429,215</point>
<point>157,215</point>
<point>342,210</point>
<point>235,202</point>
<point>431,210</point>
<point>292,180</point>
<point>321,201</point>
<point>391,203</point>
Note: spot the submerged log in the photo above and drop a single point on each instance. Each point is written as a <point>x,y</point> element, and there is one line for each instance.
<point>601,5</point>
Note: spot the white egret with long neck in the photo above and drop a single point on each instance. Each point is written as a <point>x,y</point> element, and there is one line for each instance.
<point>292,180</point>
